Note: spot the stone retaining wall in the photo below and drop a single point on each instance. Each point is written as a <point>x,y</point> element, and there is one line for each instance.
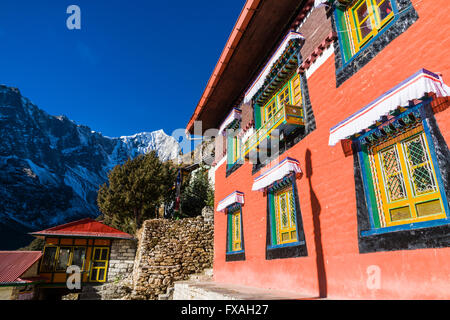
<point>171,251</point>
<point>121,261</point>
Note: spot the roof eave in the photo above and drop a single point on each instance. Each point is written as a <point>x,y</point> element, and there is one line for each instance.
<point>259,29</point>
<point>233,40</point>
<point>64,235</point>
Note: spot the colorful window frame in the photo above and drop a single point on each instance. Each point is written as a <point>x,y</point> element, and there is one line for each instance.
<point>236,151</point>
<point>233,150</point>
<point>284,226</point>
<point>99,264</point>
<point>354,49</point>
<point>55,261</point>
<point>285,216</point>
<point>49,259</point>
<point>290,93</point>
<point>234,146</point>
<point>235,238</point>
<point>402,181</point>
<point>361,23</point>
<point>367,18</point>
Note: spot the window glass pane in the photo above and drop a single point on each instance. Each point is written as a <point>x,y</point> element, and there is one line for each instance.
<point>94,274</point>
<point>292,209</point>
<point>79,255</point>
<point>393,175</point>
<point>419,166</point>
<point>400,213</point>
<point>63,259</point>
<point>384,9</point>
<point>104,254</point>
<point>284,97</point>
<point>365,28</point>
<point>362,12</point>
<point>237,227</point>
<point>283,212</point>
<point>270,111</point>
<point>99,264</point>
<point>101,274</point>
<point>97,253</point>
<point>48,261</point>
<point>428,208</point>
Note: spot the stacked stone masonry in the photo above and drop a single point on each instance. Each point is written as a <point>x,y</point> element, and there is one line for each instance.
<point>123,253</point>
<point>170,251</point>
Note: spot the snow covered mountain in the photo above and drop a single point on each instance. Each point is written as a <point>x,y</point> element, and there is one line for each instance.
<point>51,168</point>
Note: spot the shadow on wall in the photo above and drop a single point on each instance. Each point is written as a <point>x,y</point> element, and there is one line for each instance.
<point>316,210</point>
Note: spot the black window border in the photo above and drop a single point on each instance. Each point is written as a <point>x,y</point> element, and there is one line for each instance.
<point>429,237</point>
<point>300,133</point>
<point>229,256</point>
<point>407,17</point>
<point>293,251</point>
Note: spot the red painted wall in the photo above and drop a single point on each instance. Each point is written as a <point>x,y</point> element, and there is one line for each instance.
<point>407,274</point>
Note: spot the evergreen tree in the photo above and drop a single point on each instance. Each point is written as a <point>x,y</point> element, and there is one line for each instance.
<point>135,190</point>
<point>197,194</point>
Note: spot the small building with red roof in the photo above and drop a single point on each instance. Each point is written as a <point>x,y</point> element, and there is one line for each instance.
<point>101,252</point>
<point>19,274</point>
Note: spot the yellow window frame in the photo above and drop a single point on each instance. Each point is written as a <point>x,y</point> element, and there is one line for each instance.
<point>58,255</point>
<point>105,267</point>
<point>236,154</point>
<point>270,109</point>
<point>286,232</point>
<point>292,88</point>
<point>236,229</point>
<point>296,89</point>
<point>284,93</point>
<point>84,260</point>
<point>412,200</point>
<point>373,16</point>
<point>54,259</point>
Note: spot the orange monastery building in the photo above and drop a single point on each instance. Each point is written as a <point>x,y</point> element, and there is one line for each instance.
<point>332,169</point>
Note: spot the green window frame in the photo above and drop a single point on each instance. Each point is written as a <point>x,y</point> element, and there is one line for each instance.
<point>402,181</point>
<point>361,22</point>
<point>233,150</point>
<point>235,250</point>
<point>407,186</point>
<point>284,227</point>
<point>235,231</point>
<point>290,93</point>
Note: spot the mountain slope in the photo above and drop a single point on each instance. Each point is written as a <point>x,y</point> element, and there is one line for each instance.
<point>51,168</point>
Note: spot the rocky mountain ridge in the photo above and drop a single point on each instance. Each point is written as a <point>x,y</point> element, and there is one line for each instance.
<point>51,167</point>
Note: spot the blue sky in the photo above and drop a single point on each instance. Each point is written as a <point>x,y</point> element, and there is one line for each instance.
<point>135,65</point>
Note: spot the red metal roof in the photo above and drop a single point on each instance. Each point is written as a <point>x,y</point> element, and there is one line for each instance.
<point>13,264</point>
<point>84,228</point>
